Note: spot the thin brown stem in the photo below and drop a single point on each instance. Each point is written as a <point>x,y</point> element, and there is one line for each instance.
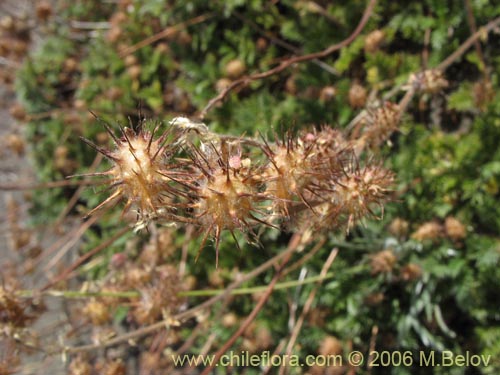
<point>473,28</point>
<point>250,318</point>
<point>483,31</point>
<point>165,33</point>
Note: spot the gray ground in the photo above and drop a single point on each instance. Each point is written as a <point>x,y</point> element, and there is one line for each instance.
<point>16,169</point>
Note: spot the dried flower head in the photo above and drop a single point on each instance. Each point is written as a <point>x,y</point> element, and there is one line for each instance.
<point>97,312</point>
<point>399,227</point>
<point>330,346</point>
<point>12,309</point>
<point>158,296</point>
<point>227,194</point>
<point>80,366</point>
<point>411,272</point>
<point>454,229</point>
<point>355,193</point>
<point>382,262</point>
<point>374,40</point>
<point>141,171</point>
<point>288,173</point>
<point>430,81</point>
<point>381,123</point>
<point>431,230</point>
<point>357,96</point>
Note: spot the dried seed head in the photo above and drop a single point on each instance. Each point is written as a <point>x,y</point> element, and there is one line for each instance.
<point>159,295</point>
<point>287,174</point>
<point>454,229</point>
<point>381,123</point>
<point>141,172</point>
<point>411,272</point>
<point>428,231</point>
<point>374,40</point>
<point>12,309</point>
<point>374,299</point>
<point>382,262</point>
<point>353,195</point>
<point>235,69</point>
<point>227,196</point>
<point>429,81</point>
<point>16,144</point>
<point>97,312</point>
<point>357,96</point>
<point>115,367</point>
<point>399,227</point>
<point>80,366</point>
<point>43,10</point>
<point>330,346</point>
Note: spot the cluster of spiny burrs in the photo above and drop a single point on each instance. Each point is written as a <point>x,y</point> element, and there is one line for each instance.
<point>187,174</point>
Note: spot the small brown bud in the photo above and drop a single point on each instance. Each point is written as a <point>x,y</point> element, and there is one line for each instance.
<point>97,312</point>
<point>327,94</point>
<point>374,299</point>
<point>162,48</point>
<point>455,230</point>
<point>134,71</point>
<point>17,111</point>
<point>43,10</point>
<point>330,346</point>
<point>411,272</point>
<point>118,18</point>
<point>114,93</point>
<point>130,60</point>
<point>114,34</point>
<point>261,44</point>
<point>79,104</point>
<point>7,23</point>
<point>382,262</point>
<point>222,84</point>
<point>102,138</point>
<point>80,366</point>
<point>235,69</point>
<point>428,231</point>
<point>374,40</point>
<point>399,227</point>
<point>70,64</point>
<point>357,96</point>
<point>16,144</point>
<point>430,81</point>
<point>291,85</point>
<point>229,320</point>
